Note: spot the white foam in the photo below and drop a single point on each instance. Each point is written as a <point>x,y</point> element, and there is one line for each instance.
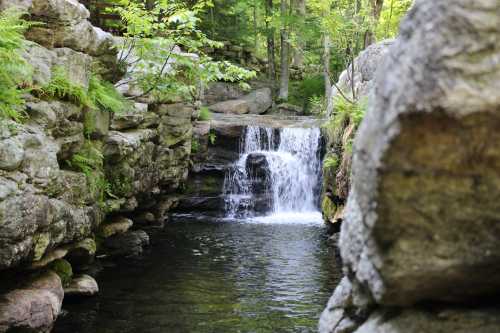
<point>289,218</point>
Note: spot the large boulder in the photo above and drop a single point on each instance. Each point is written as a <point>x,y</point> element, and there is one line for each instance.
<point>34,307</point>
<point>421,220</point>
<point>421,217</point>
<point>259,101</point>
<point>256,102</point>
<point>234,106</point>
<point>418,320</point>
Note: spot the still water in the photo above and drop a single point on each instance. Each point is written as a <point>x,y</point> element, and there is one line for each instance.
<point>272,274</point>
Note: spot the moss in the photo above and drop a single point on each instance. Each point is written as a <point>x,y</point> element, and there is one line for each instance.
<point>42,241</point>
<point>121,185</point>
<point>62,268</point>
<point>329,208</point>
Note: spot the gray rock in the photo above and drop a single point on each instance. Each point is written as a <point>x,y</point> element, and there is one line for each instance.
<point>131,118</point>
<point>81,37</point>
<point>11,153</point>
<point>62,11</point>
<point>221,91</point>
<point>100,121</point>
<point>234,106</point>
<point>83,285</point>
<point>365,68</point>
<point>259,101</point>
<point>33,308</point>
<point>421,217</point>
<point>76,65</point>
<point>126,244</point>
<point>118,225</point>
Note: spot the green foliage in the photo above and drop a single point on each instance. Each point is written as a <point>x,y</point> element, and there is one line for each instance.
<point>205,114</point>
<point>212,137</point>
<point>99,95</point>
<point>60,87</point>
<point>104,96</point>
<point>301,92</point>
<point>195,146</point>
<point>331,162</point>
<point>90,161</point>
<point>390,18</point>
<point>149,51</point>
<point>317,105</point>
<point>345,113</point>
<point>15,73</point>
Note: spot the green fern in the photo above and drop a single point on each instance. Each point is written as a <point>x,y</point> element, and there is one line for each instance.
<point>15,73</point>
<point>60,87</point>
<point>104,95</point>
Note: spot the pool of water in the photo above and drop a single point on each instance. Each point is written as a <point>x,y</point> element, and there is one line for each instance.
<point>271,274</point>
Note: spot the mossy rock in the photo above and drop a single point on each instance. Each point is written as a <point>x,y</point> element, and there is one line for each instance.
<point>62,268</point>
<point>329,209</point>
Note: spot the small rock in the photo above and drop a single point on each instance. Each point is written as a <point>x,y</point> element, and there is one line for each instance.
<point>118,226</point>
<point>11,154</point>
<point>127,244</point>
<point>83,285</point>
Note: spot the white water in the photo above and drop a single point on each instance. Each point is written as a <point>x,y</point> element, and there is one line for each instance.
<point>292,158</point>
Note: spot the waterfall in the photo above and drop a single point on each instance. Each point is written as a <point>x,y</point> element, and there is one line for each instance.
<point>277,172</point>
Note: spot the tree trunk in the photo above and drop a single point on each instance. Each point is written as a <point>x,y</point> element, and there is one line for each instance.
<point>284,48</point>
<point>298,52</point>
<point>326,66</point>
<point>271,61</point>
<point>255,32</point>
<point>376,10</point>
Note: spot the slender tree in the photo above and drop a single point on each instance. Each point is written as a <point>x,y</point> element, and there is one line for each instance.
<point>271,59</point>
<point>375,11</point>
<point>284,52</point>
<point>298,51</point>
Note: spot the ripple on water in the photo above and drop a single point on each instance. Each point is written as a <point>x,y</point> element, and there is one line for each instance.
<point>271,274</point>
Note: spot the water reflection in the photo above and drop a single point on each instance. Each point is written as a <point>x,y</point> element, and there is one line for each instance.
<point>215,276</point>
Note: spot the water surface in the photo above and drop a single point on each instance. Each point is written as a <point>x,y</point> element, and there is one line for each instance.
<point>271,274</point>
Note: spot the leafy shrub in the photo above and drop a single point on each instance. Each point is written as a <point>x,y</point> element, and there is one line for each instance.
<point>15,72</point>
<point>301,92</point>
<point>205,114</point>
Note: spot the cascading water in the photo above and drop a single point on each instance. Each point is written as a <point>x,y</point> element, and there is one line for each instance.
<point>277,172</point>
